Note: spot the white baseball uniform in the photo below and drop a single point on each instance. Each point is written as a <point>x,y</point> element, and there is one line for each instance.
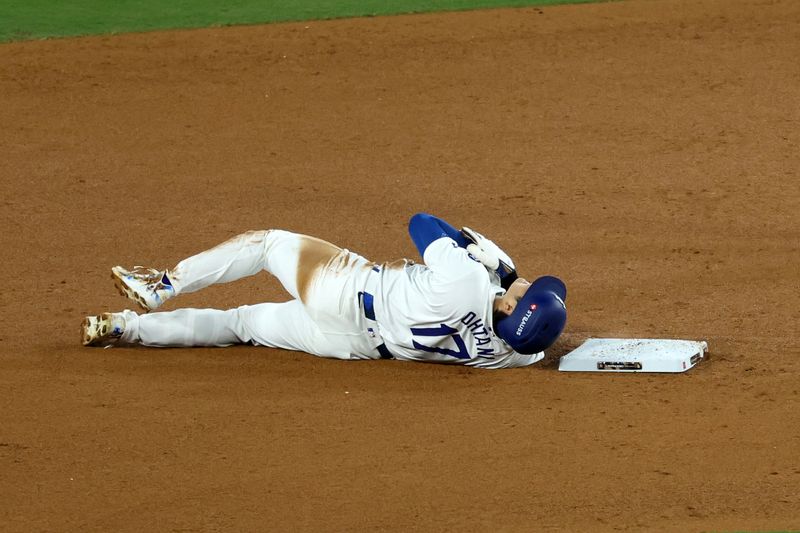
<point>343,305</point>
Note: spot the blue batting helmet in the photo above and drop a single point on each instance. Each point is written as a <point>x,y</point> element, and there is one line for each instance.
<point>538,319</point>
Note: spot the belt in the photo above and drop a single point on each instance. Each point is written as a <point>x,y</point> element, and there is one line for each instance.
<point>368,301</point>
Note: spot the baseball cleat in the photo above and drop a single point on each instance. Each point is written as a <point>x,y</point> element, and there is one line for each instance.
<point>102,330</point>
<point>147,287</point>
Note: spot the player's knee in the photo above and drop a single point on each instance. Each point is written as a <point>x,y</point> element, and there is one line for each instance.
<point>238,323</point>
<point>256,235</point>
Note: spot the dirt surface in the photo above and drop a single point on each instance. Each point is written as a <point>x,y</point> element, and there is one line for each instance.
<point>644,151</point>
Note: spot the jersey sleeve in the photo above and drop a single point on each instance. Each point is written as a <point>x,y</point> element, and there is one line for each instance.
<point>425,228</point>
<point>448,261</point>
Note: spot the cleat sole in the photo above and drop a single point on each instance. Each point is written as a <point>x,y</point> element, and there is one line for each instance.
<point>97,331</point>
<point>86,327</point>
<point>127,292</point>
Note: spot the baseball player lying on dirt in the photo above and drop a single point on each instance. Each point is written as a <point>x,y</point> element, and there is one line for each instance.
<point>465,305</point>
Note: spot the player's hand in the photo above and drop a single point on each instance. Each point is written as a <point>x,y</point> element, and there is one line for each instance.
<point>488,246</point>
<point>489,260</point>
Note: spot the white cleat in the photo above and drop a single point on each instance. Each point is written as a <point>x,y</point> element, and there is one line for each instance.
<point>147,287</point>
<point>102,330</point>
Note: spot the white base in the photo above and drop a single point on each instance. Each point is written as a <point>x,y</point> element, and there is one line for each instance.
<point>634,355</point>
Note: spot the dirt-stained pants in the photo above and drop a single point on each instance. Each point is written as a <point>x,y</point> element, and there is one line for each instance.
<point>323,318</point>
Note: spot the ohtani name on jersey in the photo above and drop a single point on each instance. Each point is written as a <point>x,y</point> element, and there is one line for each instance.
<point>483,339</point>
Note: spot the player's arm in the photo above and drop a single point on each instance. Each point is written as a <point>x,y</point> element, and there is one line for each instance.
<point>443,249</point>
<point>425,229</point>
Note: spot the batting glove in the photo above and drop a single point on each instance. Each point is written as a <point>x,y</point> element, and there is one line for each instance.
<point>491,256</point>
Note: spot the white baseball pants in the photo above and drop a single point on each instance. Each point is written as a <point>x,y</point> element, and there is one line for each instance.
<point>323,319</point>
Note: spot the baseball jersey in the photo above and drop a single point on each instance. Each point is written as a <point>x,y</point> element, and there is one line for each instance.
<point>442,311</point>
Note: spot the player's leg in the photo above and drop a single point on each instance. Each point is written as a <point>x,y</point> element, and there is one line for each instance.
<point>183,327</point>
<point>278,325</point>
<point>288,325</point>
<point>291,257</point>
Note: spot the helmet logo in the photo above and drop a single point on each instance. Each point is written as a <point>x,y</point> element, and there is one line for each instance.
<point>533,307</point>
<point>523,322</point>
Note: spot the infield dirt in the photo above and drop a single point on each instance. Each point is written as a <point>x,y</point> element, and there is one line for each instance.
<point>644,151</point>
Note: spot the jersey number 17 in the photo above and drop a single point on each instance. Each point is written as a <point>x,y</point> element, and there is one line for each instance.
<point>442,331</point>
